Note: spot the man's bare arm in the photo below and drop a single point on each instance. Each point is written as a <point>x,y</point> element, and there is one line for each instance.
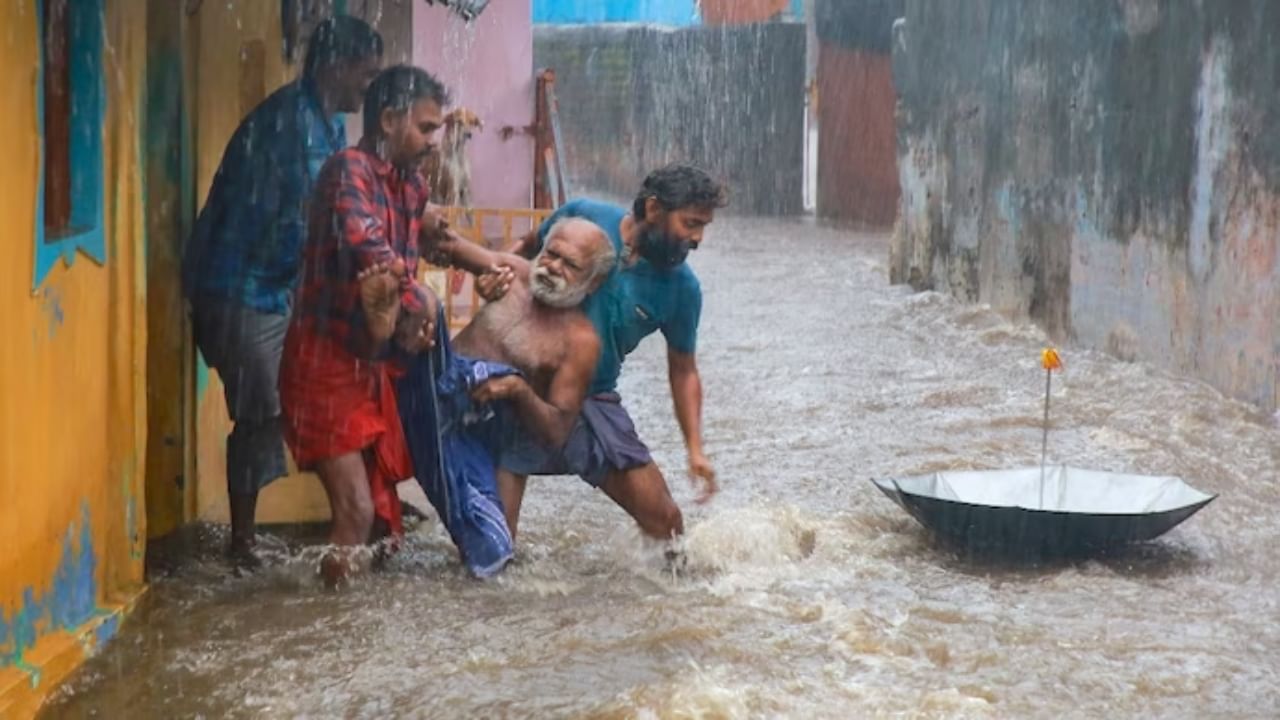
<point>447,247</point>
<point>686,395</point>
<point>551,419</point>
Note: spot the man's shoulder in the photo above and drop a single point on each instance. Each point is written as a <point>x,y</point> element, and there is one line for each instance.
<point>578,322</point>
<point>350,160</point>
<point>684,294</point>
<point>680,279</point>
<point>590,204</point>
<point>352,156</point>
<point>686,278</point>
<point>597,211</point>
<point>266,116</point>
<point>580,332</point>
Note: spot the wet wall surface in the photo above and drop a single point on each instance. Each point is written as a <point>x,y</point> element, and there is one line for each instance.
<point>730,98</point>
<point>1106,168</point>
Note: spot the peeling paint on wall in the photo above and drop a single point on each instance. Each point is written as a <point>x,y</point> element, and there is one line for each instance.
<point>51,306</point>
<point>67,558</point>
<point>69,602</point>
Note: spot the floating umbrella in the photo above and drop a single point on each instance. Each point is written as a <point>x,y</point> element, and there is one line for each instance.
<point>1045,511</point>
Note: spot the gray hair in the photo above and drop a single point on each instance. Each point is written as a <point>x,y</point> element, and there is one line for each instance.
<point>603,258</point>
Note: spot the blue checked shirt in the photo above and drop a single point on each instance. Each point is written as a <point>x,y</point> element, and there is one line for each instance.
<point>247,242</point>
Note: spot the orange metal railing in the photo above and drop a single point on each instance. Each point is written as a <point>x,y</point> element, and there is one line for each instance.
<point>494,228</point>
<point>500,228</point>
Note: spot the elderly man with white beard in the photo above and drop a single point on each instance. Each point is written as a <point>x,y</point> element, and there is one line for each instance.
<point>521,369</point>
<point>537,327</point>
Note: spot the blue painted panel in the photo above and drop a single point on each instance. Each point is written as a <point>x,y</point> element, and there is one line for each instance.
<point>579,12</point>
<point>84,29</point>
<point>70,601</point>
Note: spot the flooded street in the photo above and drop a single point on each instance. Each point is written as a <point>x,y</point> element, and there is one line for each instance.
<point>809,594</point>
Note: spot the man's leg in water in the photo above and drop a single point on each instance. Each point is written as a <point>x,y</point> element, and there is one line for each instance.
<point>511,491</point>
<point>643,493</point>
<point>346,482</point>
<point>245,346</point>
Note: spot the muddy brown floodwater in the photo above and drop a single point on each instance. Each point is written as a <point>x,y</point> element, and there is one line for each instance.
<point>809,594</point>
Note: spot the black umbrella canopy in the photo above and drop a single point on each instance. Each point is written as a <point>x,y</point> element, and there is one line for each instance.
<point>1033,513</point>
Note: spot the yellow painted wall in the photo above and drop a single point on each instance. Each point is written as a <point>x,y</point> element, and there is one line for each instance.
<point>239,61</point>
<point>72,381</point>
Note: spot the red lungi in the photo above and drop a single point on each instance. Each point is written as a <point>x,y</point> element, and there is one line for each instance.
<point>335,404</point>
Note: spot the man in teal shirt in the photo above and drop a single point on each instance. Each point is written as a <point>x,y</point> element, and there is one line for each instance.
<point>653,289</point>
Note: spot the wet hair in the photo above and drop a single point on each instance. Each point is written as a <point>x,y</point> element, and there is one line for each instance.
<point>679,186</point>
<point>603,260</point>
<point>340,39</point>
<point>397,88</point>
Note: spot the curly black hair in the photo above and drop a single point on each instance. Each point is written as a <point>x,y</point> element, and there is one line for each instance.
<point>678,186</point>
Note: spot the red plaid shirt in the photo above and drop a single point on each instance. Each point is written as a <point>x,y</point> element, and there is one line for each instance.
<point>364,211</point>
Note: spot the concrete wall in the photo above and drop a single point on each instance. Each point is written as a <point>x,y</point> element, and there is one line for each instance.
<point>1107,167</point>
<point>730,98</point>
<point>72,376</point>
<point>857,156</point>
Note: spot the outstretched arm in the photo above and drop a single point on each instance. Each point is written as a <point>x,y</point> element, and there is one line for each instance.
<point>551,419</point>
<point>461,253</point>
<point>686,395</point>
<point>445,247</point>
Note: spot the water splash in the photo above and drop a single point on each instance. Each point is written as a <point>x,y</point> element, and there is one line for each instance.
<point>807,592</point>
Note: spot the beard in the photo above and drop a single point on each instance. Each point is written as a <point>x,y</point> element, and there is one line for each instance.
<point>663,250</point>
<point>555,291</point>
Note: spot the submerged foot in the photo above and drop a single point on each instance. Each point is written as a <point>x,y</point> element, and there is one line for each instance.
<point>243,559</point>
<point>409,511</point>
<point>380,298</point>
<point>677,563</point>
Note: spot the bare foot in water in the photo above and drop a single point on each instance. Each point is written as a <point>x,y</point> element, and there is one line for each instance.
<point>380,298</point>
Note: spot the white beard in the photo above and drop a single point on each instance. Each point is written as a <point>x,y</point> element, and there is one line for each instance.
<point>555,292</point>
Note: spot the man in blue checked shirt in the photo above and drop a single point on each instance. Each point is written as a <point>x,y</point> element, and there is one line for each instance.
<point>242,263</point>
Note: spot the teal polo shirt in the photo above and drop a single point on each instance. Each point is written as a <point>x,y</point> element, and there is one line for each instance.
<point>634,302</point>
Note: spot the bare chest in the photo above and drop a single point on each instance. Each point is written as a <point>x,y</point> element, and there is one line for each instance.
<point>513,332</point>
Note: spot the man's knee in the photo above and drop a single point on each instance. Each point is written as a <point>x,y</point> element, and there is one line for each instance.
<point>348,489</point>
<point>643,493</point>
<point>666,520</point>
<point>354,508</point>
<point>255,455</point>
<point>510,481</point>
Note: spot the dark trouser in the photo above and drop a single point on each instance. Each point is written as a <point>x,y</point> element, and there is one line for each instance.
<point>603,440</point>
<point>245,346</point>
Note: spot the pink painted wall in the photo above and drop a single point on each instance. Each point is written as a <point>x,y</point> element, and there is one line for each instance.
<point>488,67</point>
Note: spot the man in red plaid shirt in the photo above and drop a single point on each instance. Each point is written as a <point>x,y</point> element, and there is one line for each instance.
<point>359,312</point>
